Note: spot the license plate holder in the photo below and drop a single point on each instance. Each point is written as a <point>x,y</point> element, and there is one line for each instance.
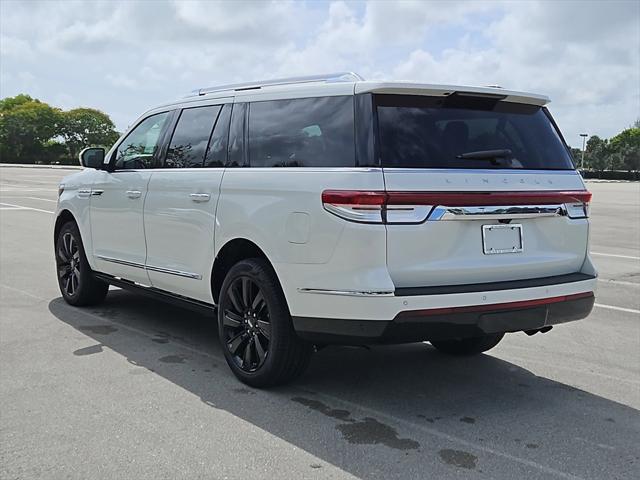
<point>503,238</point>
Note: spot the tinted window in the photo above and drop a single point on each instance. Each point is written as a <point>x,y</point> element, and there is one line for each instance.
<point>190,138</point>
<point>217,153</point>
<point>236,136</point>
<point>307,132</point>
<point>139,149</point>
<point>431,132</point>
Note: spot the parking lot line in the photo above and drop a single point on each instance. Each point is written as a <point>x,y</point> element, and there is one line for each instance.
<point>31,198</point>
<point>614,255</point>
<point>613,307</point>
<point>22,207</point>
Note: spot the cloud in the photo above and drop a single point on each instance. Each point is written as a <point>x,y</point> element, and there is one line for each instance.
<point>125,57</point>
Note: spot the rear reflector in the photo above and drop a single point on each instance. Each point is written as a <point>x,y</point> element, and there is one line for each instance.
<point>539,302</point>
<point>414,207</point>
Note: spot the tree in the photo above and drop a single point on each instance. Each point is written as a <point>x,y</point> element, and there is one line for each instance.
<point>626,147</point>
<point>26,125</point>
<point>596,153</point>
<point>85,127</point>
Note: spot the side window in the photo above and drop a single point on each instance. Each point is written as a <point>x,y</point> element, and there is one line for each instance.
<point>191,137</point>
<point>236,136</point>
<point>217,153</point>
<point>139,149</point>
<point>306,132</point>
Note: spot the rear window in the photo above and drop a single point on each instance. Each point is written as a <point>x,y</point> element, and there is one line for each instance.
<point>305,132</point>
<point>467,132</point>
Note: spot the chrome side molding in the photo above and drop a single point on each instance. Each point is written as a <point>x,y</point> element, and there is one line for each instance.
<point>502,212</point>
<point>170,271</point>
<point>349,293</point>
<point>151,268</point>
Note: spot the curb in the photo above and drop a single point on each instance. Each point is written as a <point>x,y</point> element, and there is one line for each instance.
<point>29,165</point>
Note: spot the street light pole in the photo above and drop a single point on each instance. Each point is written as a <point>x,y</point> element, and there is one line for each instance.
<point>584,141</point>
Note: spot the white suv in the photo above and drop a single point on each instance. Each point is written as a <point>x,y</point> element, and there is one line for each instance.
<point>329,209</point>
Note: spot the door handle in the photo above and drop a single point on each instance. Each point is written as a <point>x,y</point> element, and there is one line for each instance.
<point>134,193</point>
<point>200,197</point>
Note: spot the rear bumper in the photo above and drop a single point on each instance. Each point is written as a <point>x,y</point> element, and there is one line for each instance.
<point>442,323</point>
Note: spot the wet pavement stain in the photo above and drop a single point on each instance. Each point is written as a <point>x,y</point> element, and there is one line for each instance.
<point>173,359</point>
<point>424,417</point>
<point>324,409</point>
<point>370,432</point>
<point>458,458</point>
<point>468,420</point>
<point>532,445</point>
<point>98,329</point>
<point>244,391</point>
<point>81,352</point>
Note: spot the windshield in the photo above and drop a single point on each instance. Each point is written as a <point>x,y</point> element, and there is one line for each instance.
<point>462,131</point>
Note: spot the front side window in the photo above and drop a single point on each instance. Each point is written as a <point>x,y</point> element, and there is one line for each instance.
<point>306,132</point>
<point>467,132</point>
<point>190,138</point>
<point>139,149</point>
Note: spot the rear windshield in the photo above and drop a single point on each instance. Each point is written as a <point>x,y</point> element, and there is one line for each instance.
<point>467,132</point>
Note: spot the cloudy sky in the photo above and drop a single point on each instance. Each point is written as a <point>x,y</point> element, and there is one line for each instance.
<point>123,57</point>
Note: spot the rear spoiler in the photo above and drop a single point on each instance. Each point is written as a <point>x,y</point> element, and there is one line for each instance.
<point>408,88</point>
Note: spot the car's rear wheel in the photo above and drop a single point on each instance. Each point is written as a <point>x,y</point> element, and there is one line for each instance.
<point>468,346</point>
<point>76,281</point>
<point>255,327</point>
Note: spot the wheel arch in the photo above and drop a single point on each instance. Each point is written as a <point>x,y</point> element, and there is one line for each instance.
<point>63,217</point>
<point>231,253</point>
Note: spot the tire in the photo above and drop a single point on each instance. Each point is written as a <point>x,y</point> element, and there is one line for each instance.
<point>468,346</point>
<point>76,281</point>
<point>255,328</point>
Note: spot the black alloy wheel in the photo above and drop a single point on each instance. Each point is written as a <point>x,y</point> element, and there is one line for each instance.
<point>255,328</point>
<point>76,280</point>
<point>246,324</point>
<point>68,256</point>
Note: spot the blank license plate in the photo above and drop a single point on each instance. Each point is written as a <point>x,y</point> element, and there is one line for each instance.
<point>501,239</point>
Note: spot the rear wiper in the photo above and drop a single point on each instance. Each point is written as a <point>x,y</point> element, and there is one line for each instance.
<point>486,154</point>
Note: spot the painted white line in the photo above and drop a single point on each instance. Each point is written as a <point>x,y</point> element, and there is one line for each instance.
<point>22,207</point>
<point>31,198</point>
<point>11,208</point>
<point>43,199</point>
<point>615,256</point>
<point>618,282</point>
<point>619,309</point>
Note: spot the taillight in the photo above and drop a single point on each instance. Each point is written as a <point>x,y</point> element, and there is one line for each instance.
<point>415,207</point>
<point>357,206</point>
<point>375,206</point>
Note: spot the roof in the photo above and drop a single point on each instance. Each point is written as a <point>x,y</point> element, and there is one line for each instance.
<point>344,83</point>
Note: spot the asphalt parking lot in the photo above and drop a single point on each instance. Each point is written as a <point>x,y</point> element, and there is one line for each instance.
<point>138,389</point>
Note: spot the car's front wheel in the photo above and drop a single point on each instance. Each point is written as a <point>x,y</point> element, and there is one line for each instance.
<point>76,281</point>
<point>468,346</point>
<point>257,336</point>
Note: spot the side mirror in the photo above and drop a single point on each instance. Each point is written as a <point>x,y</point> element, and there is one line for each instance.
<point>92,157</point>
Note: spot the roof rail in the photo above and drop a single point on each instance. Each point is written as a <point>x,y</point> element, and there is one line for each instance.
<point>329,77</point>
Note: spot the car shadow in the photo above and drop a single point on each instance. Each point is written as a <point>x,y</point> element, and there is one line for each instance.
<point>418,404</point>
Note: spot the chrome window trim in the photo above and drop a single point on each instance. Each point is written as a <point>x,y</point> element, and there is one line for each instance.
<point>482,171</point>
<point>151,268</point>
